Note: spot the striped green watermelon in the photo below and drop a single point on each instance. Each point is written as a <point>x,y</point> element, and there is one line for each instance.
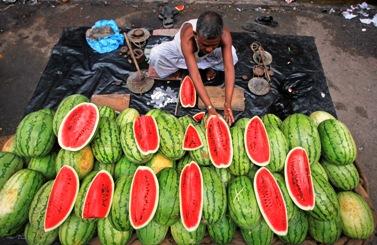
<point>183,237</point>
<point>356,216</point>
<point>106,144</point>
<point>76,231</point>
<point>325,231</point>
<point>252,172</point>
<point>44,165</point>
<point>297,228</point>
<point>241,163</point>
<point>64,107</point>
<point>243,207</point>
<point>185,121</point>
<point>15,197</point>
<point>201,155</point>
<point>12,231</point>
<point>343,177</point>
<point>214,196</point>
<point>278,149</point>
<point>153,233</point>
<point>34,135</point>
<point>288,201</point>
<point>126,116</point>
<point>271,120</point>
<point>105,111</point>
<point>320,116</point>
<point>82,161</point>
<point>242,122</point>
<point>224,174</point>
<point>119,209</point>
<point>34,236</point>
<point>222,232</point>
<point>258,234</point>
<point>167,212</point>
<point>9,164</point>
<point>38,206</point>
<point>300,130</point>
<point>338,145</point>
<point>318,171</point>
<point>124,167</point>
<point>186,159</point>
<point>103,166</point>
<point>10,145</point>
<point>108,235</point>
<point>155,112</point>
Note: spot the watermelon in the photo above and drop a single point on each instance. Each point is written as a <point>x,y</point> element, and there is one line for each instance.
<point>187,93</point>
<point>242,122</point>
<point>201,155</point>
<point>34,236</point>
<point>258,234</point>
<point>298,179</point>
<point>108,235</point>
<point>76,231</point>
<point>146,134</point>
<point>153,233</point>
<point>82,161</point>
<point>219,142</point>
<point>119,215</point>
<point>271,120</point>
<point>318,171</point>
<point>45,165</point>
<point>191,140</point>
<point>300,130</point>
<point>191,196</point>
<point>343,177</point>
<point>185,121</point>
<point>64,107</point>
<point>10,145</point>
<point>34,135</point>
<point>167,212</point>
<point>159,162</point>
<point>224,174</point>
<point>338,145</point>
<point>183,237</point>
<point>278,149</point>
<point>106,144</point>
<point>288,201</point>
<point>257,144</point>
<point>252,172</point>
<point>198,117</point>
<point>222,232</point>
<point>325,231</point>
<point>243,206</point>
<point>105,111</point>
<point>356,216</point>
<point>154,112</point>
<point>271,201</point>
<point>124,167</point>
<point>9,164</point>
<point>16,196</point>
<point>144,195</point>
<point>103,166</point>
<point>320,116</point>
<point>38,206</point>
<point>126,116</point>
<point>62,198</point>
<point>241,163</point>
<point>297,228</point>
<point>78,127</point>
<point>183,162</point>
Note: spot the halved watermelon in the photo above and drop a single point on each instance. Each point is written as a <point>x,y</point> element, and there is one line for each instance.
<point>198,117</point>
<point>192,139</point>
<point>271,201</point>
<point>62,198</point>
<point>180,7</point>
<point>187,93</point>
<point>219,142</point>
<point>98,199</point>
<point>78,127</point>
<point>298,178</point>
<point>143,197</point>
<point>257,144</point>
<point>146,134</point>
<point>191,196</point>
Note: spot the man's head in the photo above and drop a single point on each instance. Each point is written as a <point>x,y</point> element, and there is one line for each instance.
<point>209,29</point>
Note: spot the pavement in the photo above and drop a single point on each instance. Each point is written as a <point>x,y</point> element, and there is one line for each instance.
<point>348,54</point>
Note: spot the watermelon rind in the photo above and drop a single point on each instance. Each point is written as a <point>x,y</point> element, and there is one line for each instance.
<point>288,201</point>
<point>198,117</point>
<point>184,139</point>
<point>187,79</point>
<point>151,151</point>
<point>38,206</point>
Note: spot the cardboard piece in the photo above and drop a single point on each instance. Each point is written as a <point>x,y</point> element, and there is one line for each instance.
<point>118,102</point>
<point>217,95</point>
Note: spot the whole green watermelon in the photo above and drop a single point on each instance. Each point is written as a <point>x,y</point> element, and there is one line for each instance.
<point>9,164</point>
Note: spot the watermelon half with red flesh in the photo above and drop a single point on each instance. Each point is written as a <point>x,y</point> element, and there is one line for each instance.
<point>187,93</point>
<point>257,144</point>
<point>271,201</point>
<point>146,134</point>
<point>62,198</point>
<point>98,199</point>
<point>219,142</point>
<point>78,127</point>
<point>198,117</point>
<point>298,179</point>
<point>192,140</point>
<point>191,196</point>
<point>143,197</point>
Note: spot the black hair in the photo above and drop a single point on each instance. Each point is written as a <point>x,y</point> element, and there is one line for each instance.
<point>210,25</point>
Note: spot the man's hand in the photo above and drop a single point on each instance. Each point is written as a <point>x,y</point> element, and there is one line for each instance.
<point>228,115</point>
<point>212,111</point>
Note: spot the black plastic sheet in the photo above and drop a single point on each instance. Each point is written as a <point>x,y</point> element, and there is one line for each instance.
<point>298,83</point>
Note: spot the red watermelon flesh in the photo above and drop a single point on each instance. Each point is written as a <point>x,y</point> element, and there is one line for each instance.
<point>143,197</point>
<point>187,93</point>
<point>146,134</point>
<point>298,179</point>
<point>271,201</point>
<point>191,196</point>
<point>99,197</point>
<point>78,127</point>
<point>192,139</point>
<point>219,142</point>
<point>257,144</point>
<point>198,117</point>
<point>62,198</point>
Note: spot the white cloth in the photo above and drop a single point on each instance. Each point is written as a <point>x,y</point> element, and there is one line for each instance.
<point>166,58</point>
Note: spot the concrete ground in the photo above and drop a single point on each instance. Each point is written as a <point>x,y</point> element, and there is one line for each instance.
<point>348,54</point>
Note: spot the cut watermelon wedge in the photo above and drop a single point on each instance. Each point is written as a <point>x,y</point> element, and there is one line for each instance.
<point>98,199</point>
<point>180,7</point>
<point>146,134</point>
<point>298,179</point>
<point>62,198</point>
<point>198,117</point>
<point>271,201</point>
<point>219,142</point>
<point>192,139</point>
<point>187,93</point>
<point>257,144</point>
<point>78,127</point>
<point>191,196</point>
<point>143,197</point>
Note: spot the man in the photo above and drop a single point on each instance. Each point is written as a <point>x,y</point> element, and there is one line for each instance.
<point>202,43</point>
